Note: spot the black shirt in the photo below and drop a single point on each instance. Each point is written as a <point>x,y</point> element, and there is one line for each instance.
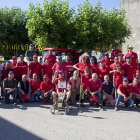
<point>107,88</point>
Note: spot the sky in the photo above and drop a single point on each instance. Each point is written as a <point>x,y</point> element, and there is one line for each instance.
<point>108,4</point>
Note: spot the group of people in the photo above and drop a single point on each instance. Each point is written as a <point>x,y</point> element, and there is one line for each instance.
<point>111,79</point>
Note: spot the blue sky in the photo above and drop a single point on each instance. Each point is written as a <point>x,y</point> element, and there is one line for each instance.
<point>108,4</point>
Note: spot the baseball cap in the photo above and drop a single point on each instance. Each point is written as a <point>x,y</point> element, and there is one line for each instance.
<point>21,56</point>
<point>102,50</point>
<point>125,79</point>
<point>35,55</point>
<point>45,76</point>
<point>106,53</point>
<point>92,58</point>
<point>128,56</point>
<point>59,57</point>
<point>95,98</point>
<point>31,44</point>
<point>89,52</point>
<point>11,72</point>
<point>83,57</point>
<point>60,71</point>
<point>8,62</point>
<point>24,96</point>
<point>87,68</point>
<point>14,57</point>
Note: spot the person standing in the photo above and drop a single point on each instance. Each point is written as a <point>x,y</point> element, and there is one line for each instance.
<point>51,56</point>
<point>115,52</point>
<point>103,55</point>
<point>120,57</point>
<point>93,65</point>
<point>90,56</point>
<point>1,68</point>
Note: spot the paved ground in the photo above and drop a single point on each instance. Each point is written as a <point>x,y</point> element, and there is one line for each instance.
<point>29,121</point>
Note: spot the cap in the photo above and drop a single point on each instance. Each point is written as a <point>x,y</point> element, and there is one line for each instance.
<point>8,62</point>
<point>106,53</point>
<point>60,71</point>
<point>83,57</point>
<point>89,52</point>
<point>92,58</point>
<point>59,57</point>
<point>116,45</point>
<point>45,76</point>
<point>14,57</point>
<point>11,72</point>
<point>102,50</point>
<point>31,44</point>
<point>128,57</point>
<point>120,54</point>
<point>130,47</point>
<point>24,96</point>
<point>125,79</point>
<point>21,56</point>
<point>35,55</point>
<point>95,98</point>
<point>87,68</point>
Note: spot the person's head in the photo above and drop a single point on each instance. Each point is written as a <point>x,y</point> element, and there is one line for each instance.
<point>118,66</point>
<point>125,81</point>
<point>94,77</point>
<point>128,59</point>
<point>24,78</point>
<point>60,80</point>
<point>8,63</point>
<point>61,74</point>
<point>14,58</point>
<point>120,57</point>
<point>86,71</point>
<point>135,81</point>
<point>11,75</point>
<point>76,74</point>
<point>116,46</point>
<point>89,53</point>
<point>116,59</point>
<point>59,59</point>
<point>46,78</point>
<point>103,52</point>
<point>130,49</point>
<point>21,57</point>
<point>35,77</point>
<point>84,59</point>
<point>50,52</point>
<point>47,59</point>
<point>106,78</point>
<point>67,58</point>
<point>31,47</point>
<point>35,58</point>
<point>106,55</point>
<point>92,60</point>
<point>101,63</point>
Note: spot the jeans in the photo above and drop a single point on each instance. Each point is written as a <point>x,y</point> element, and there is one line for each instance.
<point>14,93</point>
<point>121,99</point>
<point>99,98</point>
<point>33,98</point>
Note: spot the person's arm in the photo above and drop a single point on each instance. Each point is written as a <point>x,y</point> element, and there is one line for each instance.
<point>137,61</point>
<point>76,68</point>
<point>5,86</point>
<point>113,90</point>
<point>104,93</point>
<point>19,88</point>
<point>130,96</point>
<point>120,93</point>
<point>99,90</point>
<point>54,77</point>
<point>114,80</point>
<point>29,92</point>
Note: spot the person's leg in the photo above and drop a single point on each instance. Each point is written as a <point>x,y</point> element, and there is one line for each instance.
<point>90,102</point>
<point>99,97</point>
<point>14,93</point>
<point>68,95</point>
<point>72,98</point>
<point>38,94</point>
<point>129,102</point>
<point>2,92</point>
<point>33,98</point>
<point>19,95</point>
<point>104,99</point>
<point>7,101</point>
<point>55,96</point>
<point>42,96</point>
<point>119,99</point>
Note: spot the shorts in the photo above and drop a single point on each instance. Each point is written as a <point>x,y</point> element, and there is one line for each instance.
<point>116,87</point>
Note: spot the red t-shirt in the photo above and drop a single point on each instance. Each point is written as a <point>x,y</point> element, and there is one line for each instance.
<point>113,67</point>
<point>58,67</point>
<point>47,69</point>
<point>69,71</point>
<point>85,81</point>
<point>128,68</point>
<point>16,70</point>
<point>5,72</point>
<point>135,89</point>
<point>94,68</point>
<point>46,87</point>
<point>121,62</point>
<point>102,72</point>
<point>52,58</point>
<point>35,85</point>
<point>94,86</point>
<point>23,67</point>
<point>107,63</point>
<point>82,66</point>
<point>118,78</point>
<point>134,57</point>
<point>60,89</point>
<point>128,89</point>
<point>116,52</point>
<point>35,68</point>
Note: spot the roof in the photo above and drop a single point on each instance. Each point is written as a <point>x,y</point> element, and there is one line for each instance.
<point>58,49</point>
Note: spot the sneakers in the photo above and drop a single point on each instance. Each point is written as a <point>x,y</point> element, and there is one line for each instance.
<point>55,104</point>
<point>97,105</point>
<point>82,105</point>
<point>126,105</point>
<point>116,108</point>
<point>15,104</point>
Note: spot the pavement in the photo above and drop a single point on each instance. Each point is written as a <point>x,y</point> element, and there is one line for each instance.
<point>33,121</point>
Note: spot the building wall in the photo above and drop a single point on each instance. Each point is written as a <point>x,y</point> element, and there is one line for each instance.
<point>132,8</point>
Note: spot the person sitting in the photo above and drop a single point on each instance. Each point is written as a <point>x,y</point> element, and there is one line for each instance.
<point>35,87</point>
<point>103,55</point>
<point>9,87</point>
<point>108,91</point>
<point>124,94</point>
<point>24,88</point>
<point>135,91</point>
<point>46,88</point>
<point>74,87</point>
<point>94,87</point>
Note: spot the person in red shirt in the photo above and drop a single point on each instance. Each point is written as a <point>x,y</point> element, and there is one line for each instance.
<point>102,70</point>
<point>129,69</point>
<point>120,57</point>
<point>46,88</point>
<point>52,57</point>
<point>115,52</point>
<point>76,56</point>
<point>93,65</point>
<point>70,68</point>
<point>134,57</point>
<point>135,91</point>
<point>35,87</point>
<point>35,67</point>
<point>94,87</point>
<point>82,65</point>
<point>59,66</point>
<point>47,68</point>
<point>117,79</point>
<point>22,67</point>
<point>107,61</point>
<point>124,94</point>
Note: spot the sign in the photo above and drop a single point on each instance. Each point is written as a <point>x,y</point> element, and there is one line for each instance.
<point>62,85</point>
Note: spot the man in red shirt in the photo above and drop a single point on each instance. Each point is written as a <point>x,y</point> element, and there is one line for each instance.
<point>120,57</point>
<point>93,65</point>
<point>46,88</point>
<point>47,67</point>
<point>135,91</point>
<point>35,87</point>
<point>35,67</point>
<point>76,56</point>
<point>107,61</point>
<point>59,66</point>
<point>82,65</point>
<point>52,57</point>
<point>129,69</point>
<point>69,69</point>
<point>94,87</point>
<point>134,57</point>
<point>124,94</point>
<point>116,51</point>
